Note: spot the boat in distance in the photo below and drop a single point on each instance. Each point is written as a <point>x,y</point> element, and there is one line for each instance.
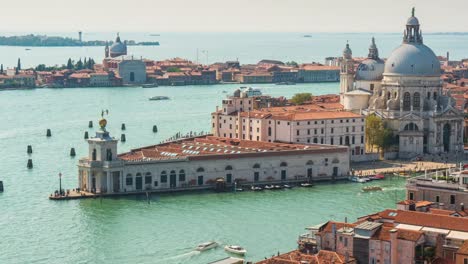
<point>159,98</point>
<point>235,250</point>
<point>206,246</point>
<point>149,85</point>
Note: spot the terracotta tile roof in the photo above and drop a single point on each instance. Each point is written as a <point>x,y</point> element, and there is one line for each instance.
<point>440,211</point>
<point>296,257</point>
<point>432,220</point>
<point>210,147</point>
<point>327,228</point>
<point>409,235</point>
<point>383,233</point>
<point>463,249</point>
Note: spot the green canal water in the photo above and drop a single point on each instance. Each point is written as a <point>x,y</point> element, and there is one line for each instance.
<point>34,229</point>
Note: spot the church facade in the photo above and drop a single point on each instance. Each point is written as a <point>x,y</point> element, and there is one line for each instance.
<point>406,92</point>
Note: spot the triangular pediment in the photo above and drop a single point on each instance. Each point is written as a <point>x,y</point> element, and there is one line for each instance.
<point>410,117</point>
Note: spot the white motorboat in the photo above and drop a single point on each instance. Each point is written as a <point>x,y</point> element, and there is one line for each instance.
<point>235,249</point>
<point>206,246</point>
<point>269,187</point>
<point>255,188</point>
<point>307,184</point>
<point>287,186</point>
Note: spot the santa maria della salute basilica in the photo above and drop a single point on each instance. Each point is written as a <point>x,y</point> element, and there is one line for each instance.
<point>406,91</point>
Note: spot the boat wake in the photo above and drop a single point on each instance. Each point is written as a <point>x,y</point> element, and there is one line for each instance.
<point>181,258</point>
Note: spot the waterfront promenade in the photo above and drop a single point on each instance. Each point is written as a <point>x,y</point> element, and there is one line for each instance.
<point>399,166</point>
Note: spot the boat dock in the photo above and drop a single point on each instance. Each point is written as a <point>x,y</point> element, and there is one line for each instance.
<point>80,194</point>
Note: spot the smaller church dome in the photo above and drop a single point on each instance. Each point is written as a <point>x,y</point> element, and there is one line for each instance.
<point>370,70</point>
<point>347,53</point>
<point>412,21</point>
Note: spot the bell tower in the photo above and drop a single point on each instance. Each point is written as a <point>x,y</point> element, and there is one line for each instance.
<point>346,72</point>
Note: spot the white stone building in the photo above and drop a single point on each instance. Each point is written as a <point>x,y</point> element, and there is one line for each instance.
<point>406,92</point>
<point>304,124</point>
<point>198,163</point>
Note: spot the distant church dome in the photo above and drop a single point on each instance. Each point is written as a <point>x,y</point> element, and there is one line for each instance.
<point>372,68</point>
<point>412,57</point>
<point>118,48</point>
<point>347,53</point>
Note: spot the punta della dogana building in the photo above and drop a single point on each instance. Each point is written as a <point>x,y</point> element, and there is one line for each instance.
<point>198,163</point>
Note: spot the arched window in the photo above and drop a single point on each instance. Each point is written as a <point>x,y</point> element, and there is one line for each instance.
<point>406,101</point>
<point>256,166</point>
<point>416,100</point>
<point>411,127</point>
<point>129,179</point>
<point>200,169</point>
<point>181,175</point>
<point>228,167</point>
<point>310,162</point>
<point>283,164</point>
<point>435,95</point>
<point>389,95</point>
<point>163,177</point>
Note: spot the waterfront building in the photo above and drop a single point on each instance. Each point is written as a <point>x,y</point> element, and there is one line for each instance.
<point>406,92</point>
<point>255,77</point>
<point>18,80</point>
<point>316,123</point>
<point>297,257</point>
<point>132,71</point>
<point>395,236</point>
<point>309,73</point>
<point>100,79</point>
<point>201,162</point>
<point>449,194</point>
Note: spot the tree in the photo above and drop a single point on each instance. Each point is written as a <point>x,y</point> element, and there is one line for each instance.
<point>40,67</point>
<point>18,67</point>
<point>1,69</point>
<point>374,130</point>
<point>301,98</point>
<point>292,63</point>
<point>70,64</point>
<point>173,69</point>
<point>79,65</point>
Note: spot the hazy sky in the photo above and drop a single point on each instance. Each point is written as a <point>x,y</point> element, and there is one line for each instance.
<point>230,15</point>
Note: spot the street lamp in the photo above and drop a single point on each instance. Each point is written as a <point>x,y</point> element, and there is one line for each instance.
<point>60,184</point>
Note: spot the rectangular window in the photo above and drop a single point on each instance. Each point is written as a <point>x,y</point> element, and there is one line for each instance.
<point>437,199</point>
<point>155,183</point>
<point>362,139</point>
<point>256,176</point>
<point>163,178</point>
<point>181,177</point>
<point>148,179</point>
<point>308,131</point>
<point>331,130</point>
<point>331,141</point>
<point>321,131</point>
<point>452,199</point>
<point>411,196</point>
<point>315,131</point>
<point>297,132</point>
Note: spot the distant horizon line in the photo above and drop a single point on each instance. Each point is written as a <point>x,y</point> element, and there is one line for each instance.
<point>233,32</point>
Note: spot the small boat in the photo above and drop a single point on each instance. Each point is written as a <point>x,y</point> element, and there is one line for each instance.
<point>286,83</point>
<point>277,187</point>
<point>359,179</point>
<point>149,85</point>
<point>158,98</point>
<point>206,246</point>
<point>256,188</point>
<point>372,188</point>
<point>307,36</point>
<point>235,249</point>
<point>269,187</point>
<point>379,176</point>
<point>285,186</point>
<point>239,190</point>
<point>307,185</point>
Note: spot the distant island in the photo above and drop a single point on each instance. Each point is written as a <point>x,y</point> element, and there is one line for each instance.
<point>54,41</point>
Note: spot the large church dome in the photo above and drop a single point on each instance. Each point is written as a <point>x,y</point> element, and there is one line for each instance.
<point>118,48</point>
<point>412,57</point>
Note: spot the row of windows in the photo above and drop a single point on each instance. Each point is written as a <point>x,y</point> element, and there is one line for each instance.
<point>332,130</point>
<point>298,123</point>
<point>437,198</point>
<point>332,140</point>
